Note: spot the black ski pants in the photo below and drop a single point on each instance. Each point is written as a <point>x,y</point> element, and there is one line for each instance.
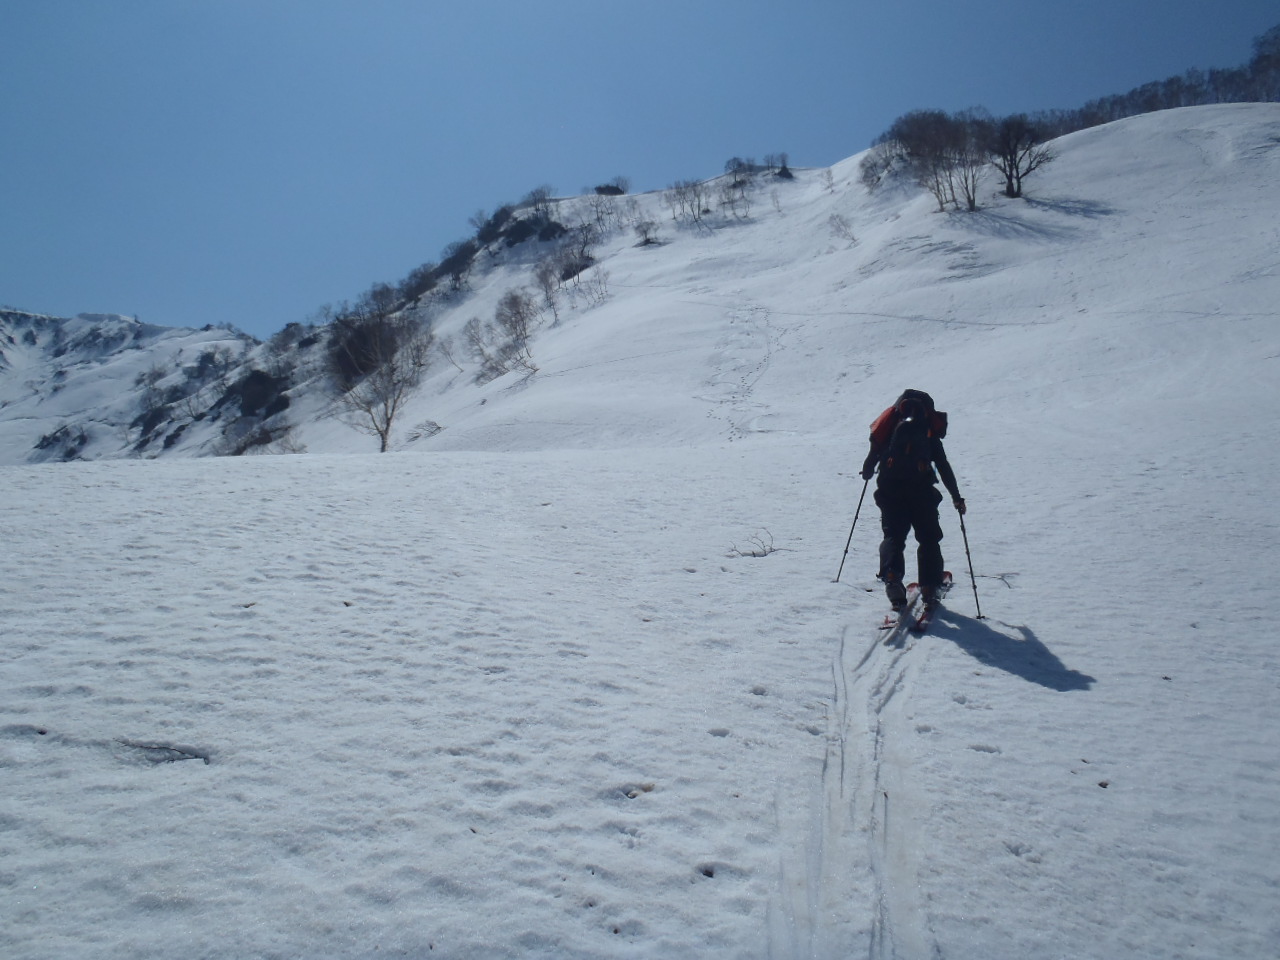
<point>904,508</point>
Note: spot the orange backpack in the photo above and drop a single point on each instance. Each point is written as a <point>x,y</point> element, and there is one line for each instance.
<point>883,425</point>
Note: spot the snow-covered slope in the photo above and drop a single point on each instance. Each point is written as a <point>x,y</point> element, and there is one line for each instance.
<point>94,385</point>
<point>531,692</point>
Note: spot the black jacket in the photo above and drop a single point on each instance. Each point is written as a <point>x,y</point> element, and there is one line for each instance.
<point>938,457</point>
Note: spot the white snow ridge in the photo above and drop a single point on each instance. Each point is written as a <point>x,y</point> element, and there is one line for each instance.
<point>570,677</point>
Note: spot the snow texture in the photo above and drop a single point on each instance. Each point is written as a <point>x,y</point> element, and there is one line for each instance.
<point>572,678</point>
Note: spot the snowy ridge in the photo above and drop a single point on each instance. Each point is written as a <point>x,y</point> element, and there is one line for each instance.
<point>570,678</point>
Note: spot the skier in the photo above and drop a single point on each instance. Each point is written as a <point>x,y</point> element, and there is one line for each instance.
<point>906,444</point>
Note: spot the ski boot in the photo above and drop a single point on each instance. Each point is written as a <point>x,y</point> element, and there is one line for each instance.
<point>896,592</point>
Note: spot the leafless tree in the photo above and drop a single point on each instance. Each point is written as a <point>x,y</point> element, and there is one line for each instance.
<point>1017,150</point>
<point>970,155</point>
<point>547,276</point>
<point>475,335</point>
<point>678,198</point>
<point>377,359</point>
<point>502,344</point>
<point>946,153</point>
<point>874,166</point>
<point>740,169</point>
<point>929,140</point>
<point>578,251</point>
<point>735,198</point>
<point>689,198</point>
<point>515,316</point>
<point>539,198</point>
<point>646,230</point>
<point>840,227</point>
<point>595,288</point>
<point>603,208</point>
<point>153,398</point>
<point>445,348</point>
<point>456,260</point>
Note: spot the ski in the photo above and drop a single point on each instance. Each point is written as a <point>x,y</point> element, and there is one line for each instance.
<point>925,617</point>
<point>893,621</point>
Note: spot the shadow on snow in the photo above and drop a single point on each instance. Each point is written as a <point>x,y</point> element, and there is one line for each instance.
<point>1022,655</point>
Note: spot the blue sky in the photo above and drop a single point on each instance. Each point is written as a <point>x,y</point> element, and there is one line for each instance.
<point>248,161</point>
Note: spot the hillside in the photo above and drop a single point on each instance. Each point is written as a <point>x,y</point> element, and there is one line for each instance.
<point>1106,234</point>
<point>524,689</point>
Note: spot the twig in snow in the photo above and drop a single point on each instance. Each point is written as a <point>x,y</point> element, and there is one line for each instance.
<point>759,546</point>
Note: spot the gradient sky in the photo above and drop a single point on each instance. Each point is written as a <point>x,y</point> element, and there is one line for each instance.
<point>249,161</point>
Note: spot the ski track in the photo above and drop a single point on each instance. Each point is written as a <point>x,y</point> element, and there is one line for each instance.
<point>860,894</point>
<point>876,791</point>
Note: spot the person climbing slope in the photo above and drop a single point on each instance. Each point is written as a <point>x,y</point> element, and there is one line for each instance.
<point>906,446</point>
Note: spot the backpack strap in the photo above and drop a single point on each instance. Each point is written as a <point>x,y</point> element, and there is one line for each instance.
<point>882,426</point>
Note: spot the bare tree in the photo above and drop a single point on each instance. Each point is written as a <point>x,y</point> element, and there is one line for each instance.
<point>456,260</point>
<point>646,230</point>
<point>476,336</point>
<point>945,153</point>
<point>377,358</point>
<point>970,155</point>
<point>539,198</point>
<point>930,140</point>
<point>740,169</point>
<point>603,209</point>
<point>445,349</point>
<point>734,197</point>
<point>515,316</point>
<point>547,276</point>
<point>502,344</point>
<point>1017,150</point>
<point>596,287</point>
<point>677,198</point>
<point>578,252</point>
<point>841,228</point>
<point>690,198</point>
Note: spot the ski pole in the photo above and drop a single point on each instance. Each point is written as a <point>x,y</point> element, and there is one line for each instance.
<point>972,579</point>
<point>855,523</point>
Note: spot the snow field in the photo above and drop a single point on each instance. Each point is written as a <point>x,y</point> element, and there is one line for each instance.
<point>419,696</point>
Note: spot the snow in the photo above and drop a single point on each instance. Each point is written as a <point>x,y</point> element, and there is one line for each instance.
<point>522,690</point>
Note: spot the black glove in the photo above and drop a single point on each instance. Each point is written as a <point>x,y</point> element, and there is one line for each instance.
<point>868,471</point>
<point>958,503</point>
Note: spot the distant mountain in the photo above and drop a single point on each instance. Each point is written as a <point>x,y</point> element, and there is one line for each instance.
<point>100,386</point>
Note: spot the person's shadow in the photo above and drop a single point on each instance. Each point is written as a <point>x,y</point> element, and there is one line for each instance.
<point>1023,656</point>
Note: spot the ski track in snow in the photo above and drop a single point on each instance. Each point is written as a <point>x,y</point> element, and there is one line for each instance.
<point>861,891</point>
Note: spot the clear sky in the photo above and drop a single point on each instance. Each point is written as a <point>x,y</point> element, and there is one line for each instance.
<point>248,161</point>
